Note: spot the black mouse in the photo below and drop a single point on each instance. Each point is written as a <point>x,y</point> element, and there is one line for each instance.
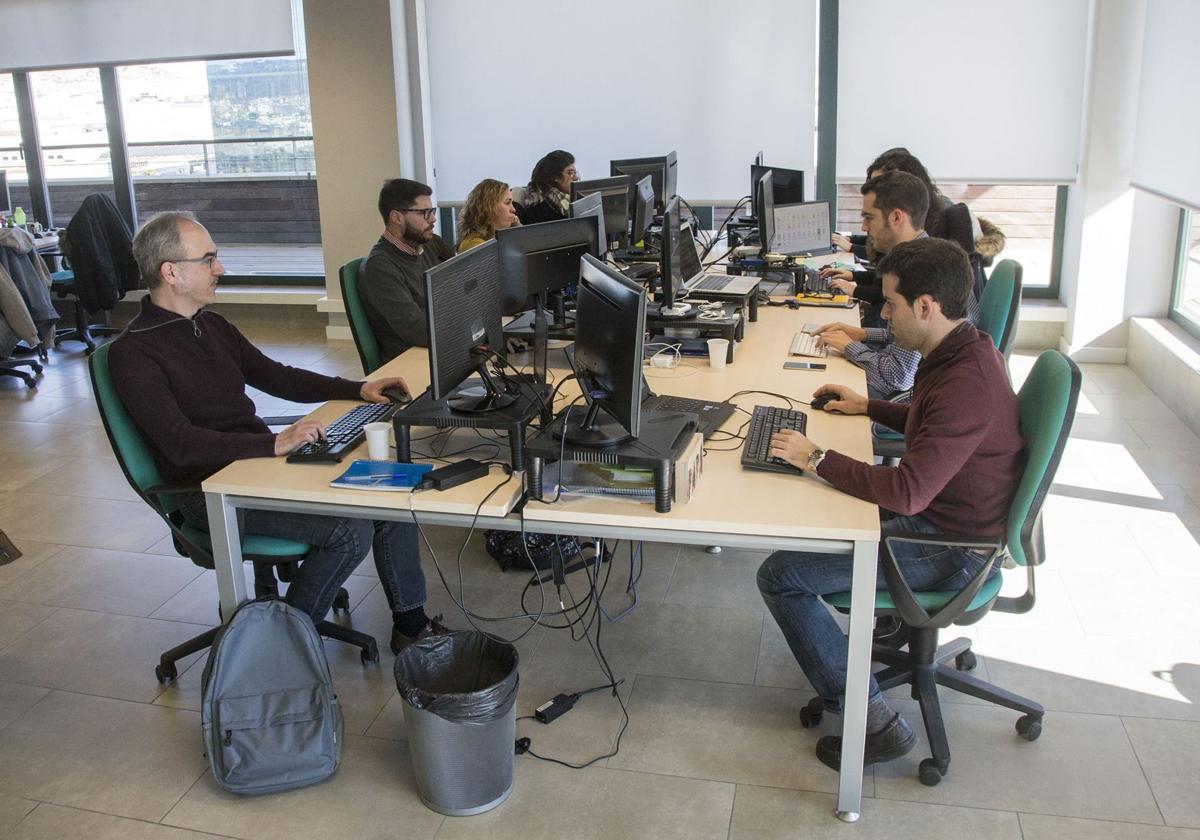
<point>397,394</point>
<point>819,403</point>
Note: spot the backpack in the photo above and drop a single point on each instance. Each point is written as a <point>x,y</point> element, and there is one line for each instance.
<point>269,716</point>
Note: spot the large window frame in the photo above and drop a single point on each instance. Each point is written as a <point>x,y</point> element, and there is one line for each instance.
<point>1177,313</point>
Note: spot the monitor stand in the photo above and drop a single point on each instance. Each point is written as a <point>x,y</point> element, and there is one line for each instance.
<point>594,430</point>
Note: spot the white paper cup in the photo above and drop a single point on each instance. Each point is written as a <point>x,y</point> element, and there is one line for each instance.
<point>379,441</point>
<point>718,350</point>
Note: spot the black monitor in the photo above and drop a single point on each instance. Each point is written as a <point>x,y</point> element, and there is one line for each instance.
<point>614,193</point>
<point>610,330</point>
<point>591,206</point>
<point>764,209</point>
<point>643,210</point>
<point>663,171</point>
<point>672,266</point>
<point>463,314</point>
<point>789,183</point>
<point>538,260</point>
<point>5,198</point>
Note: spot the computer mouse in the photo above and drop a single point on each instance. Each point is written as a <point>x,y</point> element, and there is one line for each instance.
<point>819,403</point>
<point>397,394</point>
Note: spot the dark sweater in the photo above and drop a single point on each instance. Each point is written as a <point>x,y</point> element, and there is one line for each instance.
<point>183,381</point>
<point>963,450</point>
<point>392,289</point>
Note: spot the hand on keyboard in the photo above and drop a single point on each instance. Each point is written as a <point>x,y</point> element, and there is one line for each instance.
<point>834,340</point>
<point>792,447</point>
<point>298,434</point>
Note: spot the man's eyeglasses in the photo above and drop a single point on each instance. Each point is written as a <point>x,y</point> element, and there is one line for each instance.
<point>207,259</point>
<point>430,214</point>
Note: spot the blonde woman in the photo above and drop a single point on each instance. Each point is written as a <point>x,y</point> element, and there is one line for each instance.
<point>489,208</point>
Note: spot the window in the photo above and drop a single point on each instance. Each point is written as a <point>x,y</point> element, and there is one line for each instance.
<point>1029,215</point>
<point>71,124</point>
<point>1185,303</point>
<point>11,159</point>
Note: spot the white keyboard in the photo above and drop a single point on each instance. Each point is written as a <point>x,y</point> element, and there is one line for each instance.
<point>805,344</point>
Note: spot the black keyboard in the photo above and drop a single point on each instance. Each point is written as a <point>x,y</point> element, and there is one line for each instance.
<point>765,422</point>
<point>640,271</point>
<point>343,434</point>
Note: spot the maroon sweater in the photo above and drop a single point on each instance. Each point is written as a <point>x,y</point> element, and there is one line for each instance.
<point>183,381</point>
<point>963,451</point>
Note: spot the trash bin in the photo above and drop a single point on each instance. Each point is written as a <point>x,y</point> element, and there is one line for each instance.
<point>460,693</point>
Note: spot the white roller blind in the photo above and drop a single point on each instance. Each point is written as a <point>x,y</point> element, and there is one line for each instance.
<point>74,33</point>
<point>980,91</point>
<point>1168,128</point>
<point>510,81</point>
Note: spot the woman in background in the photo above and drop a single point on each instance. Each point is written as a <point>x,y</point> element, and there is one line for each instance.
<point>548,196</point>
<point>489,208</point>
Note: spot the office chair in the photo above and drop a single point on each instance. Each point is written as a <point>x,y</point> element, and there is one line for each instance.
<point>356,314</point>
<point>268,554</point>
<point>1047,408</point>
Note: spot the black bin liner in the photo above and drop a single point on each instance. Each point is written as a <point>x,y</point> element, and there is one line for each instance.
<point>464,677</point>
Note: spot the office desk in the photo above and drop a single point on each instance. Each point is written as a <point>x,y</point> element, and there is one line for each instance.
<point>731,507</point>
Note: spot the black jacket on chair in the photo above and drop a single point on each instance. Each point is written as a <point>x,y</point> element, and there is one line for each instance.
<point>101,254</point>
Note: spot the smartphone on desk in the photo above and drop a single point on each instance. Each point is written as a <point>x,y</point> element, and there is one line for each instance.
<point>803,366</point>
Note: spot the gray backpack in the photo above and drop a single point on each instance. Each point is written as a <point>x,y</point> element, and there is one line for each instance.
<point>270,718</point>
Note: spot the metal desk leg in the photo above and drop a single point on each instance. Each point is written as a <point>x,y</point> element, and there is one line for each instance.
<point>858,671</point>
<point>227,552</point>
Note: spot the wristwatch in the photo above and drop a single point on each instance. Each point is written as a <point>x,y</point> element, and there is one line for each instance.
<point>815,458</point>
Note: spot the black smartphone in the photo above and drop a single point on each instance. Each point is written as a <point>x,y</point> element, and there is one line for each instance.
<point>803,366</point>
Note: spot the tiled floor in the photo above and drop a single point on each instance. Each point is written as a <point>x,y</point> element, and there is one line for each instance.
<point>92,746</point>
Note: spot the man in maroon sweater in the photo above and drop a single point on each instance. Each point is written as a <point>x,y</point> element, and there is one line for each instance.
<point>181,372</point>
<point>962,461</point>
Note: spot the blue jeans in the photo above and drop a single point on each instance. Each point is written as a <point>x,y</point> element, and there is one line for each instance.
<point>791,583</point>
<point>338,546</point>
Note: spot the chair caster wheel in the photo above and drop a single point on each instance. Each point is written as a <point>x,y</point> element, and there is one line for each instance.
<point>812,713</point>
<point>965,661</point>
<point>1029,727</point>
<point>342,601</point>
<point>930,773</point>
<point>166,674</point>
<point>370,654</point>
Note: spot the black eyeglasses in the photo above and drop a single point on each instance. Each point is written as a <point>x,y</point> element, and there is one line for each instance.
<point>207,259</point>
<point>429,214</point>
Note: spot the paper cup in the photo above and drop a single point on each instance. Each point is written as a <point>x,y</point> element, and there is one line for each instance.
<point>379,441</point>
<point>718,350</point>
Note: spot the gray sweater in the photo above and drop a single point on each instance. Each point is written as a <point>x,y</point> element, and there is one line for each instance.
<point>393,293</point>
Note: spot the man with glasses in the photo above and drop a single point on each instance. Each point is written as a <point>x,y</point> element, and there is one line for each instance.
<point>181,372</point>
<point>393,285</point>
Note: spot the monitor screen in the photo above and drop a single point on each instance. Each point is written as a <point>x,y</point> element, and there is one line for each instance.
<point>689,256</point>
<point>541,259</point>
<point>463,313</point>
<point>643,209</point>
<point>614,193</point>
<point>5,198</point>
<point>801,228</point>
<point>764,210</point>
<point>789,183</point>
<point>591,206</point>
<point>663,172</point>
<point>610,328</point>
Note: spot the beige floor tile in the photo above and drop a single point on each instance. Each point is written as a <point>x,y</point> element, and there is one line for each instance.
<point>97,478</point>
<point>727,579</point>
<point>75,387</point>
<point>53,822</point>
<point>17,619</point>
<point>107,581</point>
<point>71,520</point>
<point>32,553</point>
<point>1167,434</point>
<point>702,643</point>
<point>29,406</point>
<point>164,547</point>
<point>1107,429</point>
<point>1040,827</point>
<point>94,653</point>
<point>1118,380</point>
<point>15,699</point>
<point>1081,766</point>
<point>373,794</point>
<point>77,441</point>
<point>1139,407</point>
<point>79,413</point>
<point>1173,549</point>
<point>599,804</point>
<point>195,603</point>
<point>730,733</point>
<point>1154,607</point>
<point>12,810</point>
<point>1166,466</point>
<point>1169,752</point>
<point>26,435</point>
<point>22,468</point>
<point>761,813</point>
<point>111,756</point>
<point>776,665</point>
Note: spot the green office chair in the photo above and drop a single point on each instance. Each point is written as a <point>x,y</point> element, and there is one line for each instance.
<point>356,314</point>
<point>269,554</point>
<point>1047,408</point>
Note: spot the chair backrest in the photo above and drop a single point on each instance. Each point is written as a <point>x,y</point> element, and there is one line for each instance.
<point>364,338</point>
<point>1000,305</point>
<point>1047,407</point>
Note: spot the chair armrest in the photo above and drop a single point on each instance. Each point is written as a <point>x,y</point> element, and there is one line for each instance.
<point>167,489</point>
<point>906,602</point>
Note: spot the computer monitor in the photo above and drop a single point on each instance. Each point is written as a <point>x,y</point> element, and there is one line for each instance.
<point>643,209</point>
<point>663,171</point>
<point>538,260</point>
<point>672,266</point>
<point>591,206</point>
<point>764,209</point>
<point>789,183</point>
<point>463,314</point>
<point>614,193</point>
<point>802,228</point>
<point>5,198</point>
<point>610,330</point>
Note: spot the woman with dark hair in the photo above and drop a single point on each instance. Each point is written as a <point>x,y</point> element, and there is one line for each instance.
<point>548,196</point>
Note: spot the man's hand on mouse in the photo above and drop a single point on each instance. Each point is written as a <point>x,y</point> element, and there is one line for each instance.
<point>845,400</point>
